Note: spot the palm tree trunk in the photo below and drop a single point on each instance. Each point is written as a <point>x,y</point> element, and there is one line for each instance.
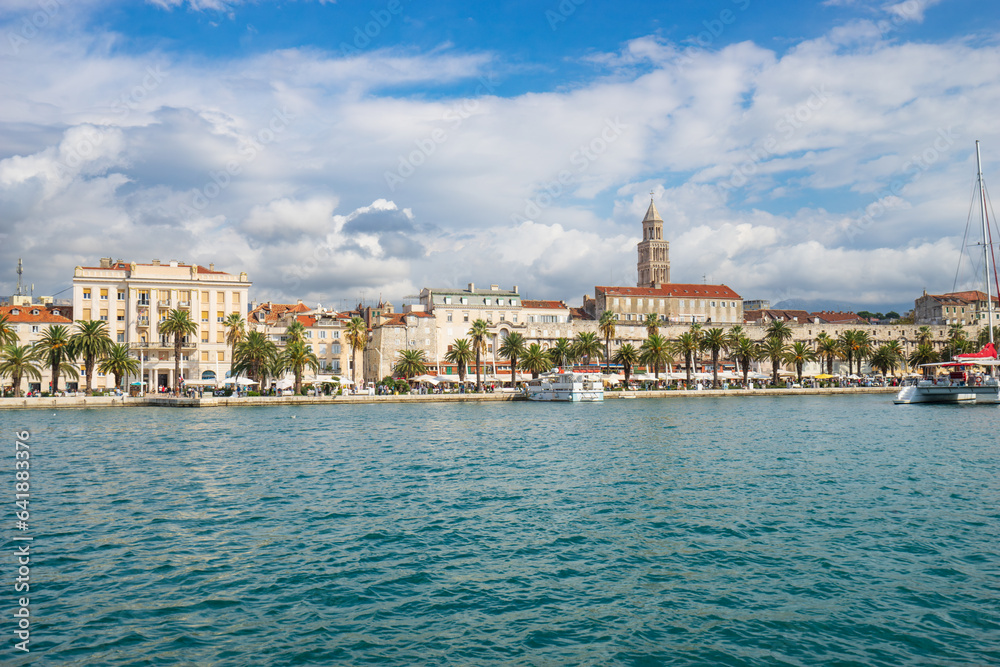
<point>715,369</point>
<point>177,366</point>
<point>88,367</point>
<point>479,383</point>
<point>16,379</point>
<point>513,369</point>
<point>688,360</point>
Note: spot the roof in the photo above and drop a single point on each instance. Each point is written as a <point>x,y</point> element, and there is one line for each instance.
<point>968,295</point>
<point>651,213</point>
<point>44,316</point>
<point>126,266</point>
<point>835,316</point>
<point>555,305</point>
<point>579,314</point>
<point>274,311</point>
<point>771,314</point>
<point>674,290</point>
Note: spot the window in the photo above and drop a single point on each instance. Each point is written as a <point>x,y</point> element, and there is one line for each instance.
<point>713,304</point>
<point>86,293</point>
<point>465,317</point>
<point>204,316</point>
<point>34,328</point>
<point>220,356</point>
<point>447,300</point>
<point>121,337</point>
<point>513,318</point>
<point>121,295</point>
<point>86,314</point>
<point>220,298</point>
<point>204,335</point>
<point>220,337</point>
<point>335,348</point>
<point>34,312</point>
<point>204,356</point>
<point>322,334</point>
<point>336,334</point>
<point>465,301</point>
<point>121,314</point>
<point>322,350</point>
<point>449,317</point>
<point>219,316</point>
<point>104,316</point>
<point>104,294</point>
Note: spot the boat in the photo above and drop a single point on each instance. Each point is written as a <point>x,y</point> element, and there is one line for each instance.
<point>962,385</point>
<point>567,386</point>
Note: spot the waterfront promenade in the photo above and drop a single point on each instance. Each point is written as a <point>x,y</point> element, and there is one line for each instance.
<point>81,402</point>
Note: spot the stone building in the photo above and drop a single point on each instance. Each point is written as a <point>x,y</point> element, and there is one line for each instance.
<point>654,251</point>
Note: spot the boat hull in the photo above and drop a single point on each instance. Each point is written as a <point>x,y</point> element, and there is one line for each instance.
<point>948,394</point>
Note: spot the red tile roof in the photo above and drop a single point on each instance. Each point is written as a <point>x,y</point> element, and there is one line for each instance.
<point>834,317</point>
<point>674,290</point>
<point>579,314</point>
<point>44,316</point>
<point>560,305</point>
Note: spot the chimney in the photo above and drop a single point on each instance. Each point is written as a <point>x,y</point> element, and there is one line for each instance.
<point>472,287</point>
<point>155,262</point>
<point>173,263</point>
<point>494,288</point>
<point>211,266</point>
<point>515,290</point>
<point>105,262</point>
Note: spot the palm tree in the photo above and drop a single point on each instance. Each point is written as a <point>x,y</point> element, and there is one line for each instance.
<point>460,353</point>
<point>715,342</point>
<point>894,348</point>
<point>828,349</point>
<point>235,332</point>
<point>956,332</point>
<point>778,329</point>
<point>652,324</point>
<point>7,334</point>
<point>587,346</point>
<point>984,335</point>
<point>178,324</point>
<point>356,334</point>
<point>19,361</point>
<point>923,354</point>
<point>924,335</point>
<point>848,341</point>
<point>655,351</point>
<point>253,355</point>
<point>512,348</point>
<point>562,353</point>
<point>535,360</point>
<point>687,345</point>
<point>627,356</point>
<point>774,349</point>
<point>273,368</point>
<point>410,363</point>
<point>92,342</point>
<point>744,351</point>
<point>886,359</point>
<point>56,348</point>
<point>799,354</point>
<point>296,333</point>
<point>734,334</point>
<point>864,348</point>
<point>119,363</point>
<point>298,356</point>
<point>606,325</point>
<point>478,334</point>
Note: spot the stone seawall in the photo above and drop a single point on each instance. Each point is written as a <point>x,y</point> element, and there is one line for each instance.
<point>39,403</point>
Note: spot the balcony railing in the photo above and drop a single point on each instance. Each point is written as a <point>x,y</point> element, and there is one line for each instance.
<point>143,322</point>
<point>184,304</point>
<point>164,303</point>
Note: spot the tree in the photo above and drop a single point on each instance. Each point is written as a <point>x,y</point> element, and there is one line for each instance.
<point>715,342</point>
<point>895,349</point>
<point>892,315</point>
<point>91,342</point>
<point>849,343</point>
<point>924,335</point>
<point>606,325</point>
<point>253,356</point>
<point>886,359</point>
<point>562,353</point>
<point>273,368</point>
<point>410,363</point>
<point>798,354</point>
<point>773,348</point>
<point>627,356</point>
<point>298,356</point>
<point>864,345</point>
<point>460,353</point>
<point>119,363</point>
<point>655,351</point>
<point>356,334</point>
<point>57,353</point>
<point>512,348</point>
<point>235,332</point>
<point>686,346</point>
<point>828,349</point>
<point>923,354</point>
<point>178,324</point>
<point>652,324</point>
<point>478,334</point>
<point>17,362</point>
<point>7,334</point>
<point>778,329</point>
<point>587,346</point>
<point>535,360</point>
<point>296,333</point>
<point>984,336</point>
<point>744,351</point>
<point>734,334</point>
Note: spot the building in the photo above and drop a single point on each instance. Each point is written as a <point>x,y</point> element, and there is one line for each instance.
<point>324,334</point>
<point>134,298</point>
<point>671,303</point>
<point>970,307</point>
<point>29,320</point>
<point>654,251</point>
<point>756,304</point>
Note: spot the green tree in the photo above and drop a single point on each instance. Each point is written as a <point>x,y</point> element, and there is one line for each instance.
<point>254,354</point>
<point>410,363</point>
<point>7,334</point>
<point>744,351</point>
<point>17,362</point>
<point>984,336</point>
<point>91,342</point>
<point>536,360</point>
<point>715,342</point>
<point>461,354</point>
<point>924,335</point>
<point>923,354</point>
<point>299,356</point>
<point>886,359</point>
<point>778,329</point>
<point>606,325</point>
<point>119,363</point>
<point>235,333</point>
<point>56,348</point>
<point>774,349</point>
<point>562,352</point>
<point>687,346</point>
<point>587,346</point>
<point>733,335</point>
<point>849,342</point>
<point>655,352</point>
<point>512,348</point>
<point>296,333</point>
<point>628,357</point>
<point>356,333</point>
<point>798,354</point>
<point>828,349</point>
<point>479,332</point>
<point>178,324</point>
<point>652,324</point>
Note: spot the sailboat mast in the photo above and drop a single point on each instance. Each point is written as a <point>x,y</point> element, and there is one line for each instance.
<point>986,249</point>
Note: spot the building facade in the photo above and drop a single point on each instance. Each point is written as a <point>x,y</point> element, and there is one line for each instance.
<point>30,320</point>
<point>965,308</point>
<point>654,251</point>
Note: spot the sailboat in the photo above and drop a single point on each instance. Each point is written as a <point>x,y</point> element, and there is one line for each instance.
<point>961,386</point>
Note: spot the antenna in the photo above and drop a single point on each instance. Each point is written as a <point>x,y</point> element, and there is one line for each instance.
<point>20,270</point>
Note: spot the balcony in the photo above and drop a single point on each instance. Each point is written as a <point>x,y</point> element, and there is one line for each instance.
<point>164,345</point>
<point>142,322</point>
<point>164,303</point>
<point>183,304</point>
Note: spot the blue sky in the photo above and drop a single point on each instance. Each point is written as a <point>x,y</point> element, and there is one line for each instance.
<point>341,150</point>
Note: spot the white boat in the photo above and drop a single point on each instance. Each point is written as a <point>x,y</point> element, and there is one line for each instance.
<point>961,386</point>
<point>567,386</point>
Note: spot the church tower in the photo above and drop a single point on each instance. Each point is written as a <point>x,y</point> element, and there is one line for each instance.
<point>654,252</point>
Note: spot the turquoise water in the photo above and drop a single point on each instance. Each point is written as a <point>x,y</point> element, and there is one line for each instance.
<point>754,531</point>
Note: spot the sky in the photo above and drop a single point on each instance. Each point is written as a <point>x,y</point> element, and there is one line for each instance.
<point>341,151</point>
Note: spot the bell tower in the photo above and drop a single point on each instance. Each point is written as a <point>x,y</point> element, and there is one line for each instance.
<point>654,252</point>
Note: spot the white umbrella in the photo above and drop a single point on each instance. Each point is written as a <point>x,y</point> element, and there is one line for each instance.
<point>200,383</point>
<point>245,382</point>
<point>284,383</point>
<point>433,379</point>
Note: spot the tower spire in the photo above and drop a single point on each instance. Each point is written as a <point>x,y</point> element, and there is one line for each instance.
<point>654,252</point>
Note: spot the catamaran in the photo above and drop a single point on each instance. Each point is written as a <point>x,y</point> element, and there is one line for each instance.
<point>567,386</point>
<point>961,385</point>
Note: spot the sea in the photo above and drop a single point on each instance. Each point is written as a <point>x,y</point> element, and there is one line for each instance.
<point>814,530</point>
